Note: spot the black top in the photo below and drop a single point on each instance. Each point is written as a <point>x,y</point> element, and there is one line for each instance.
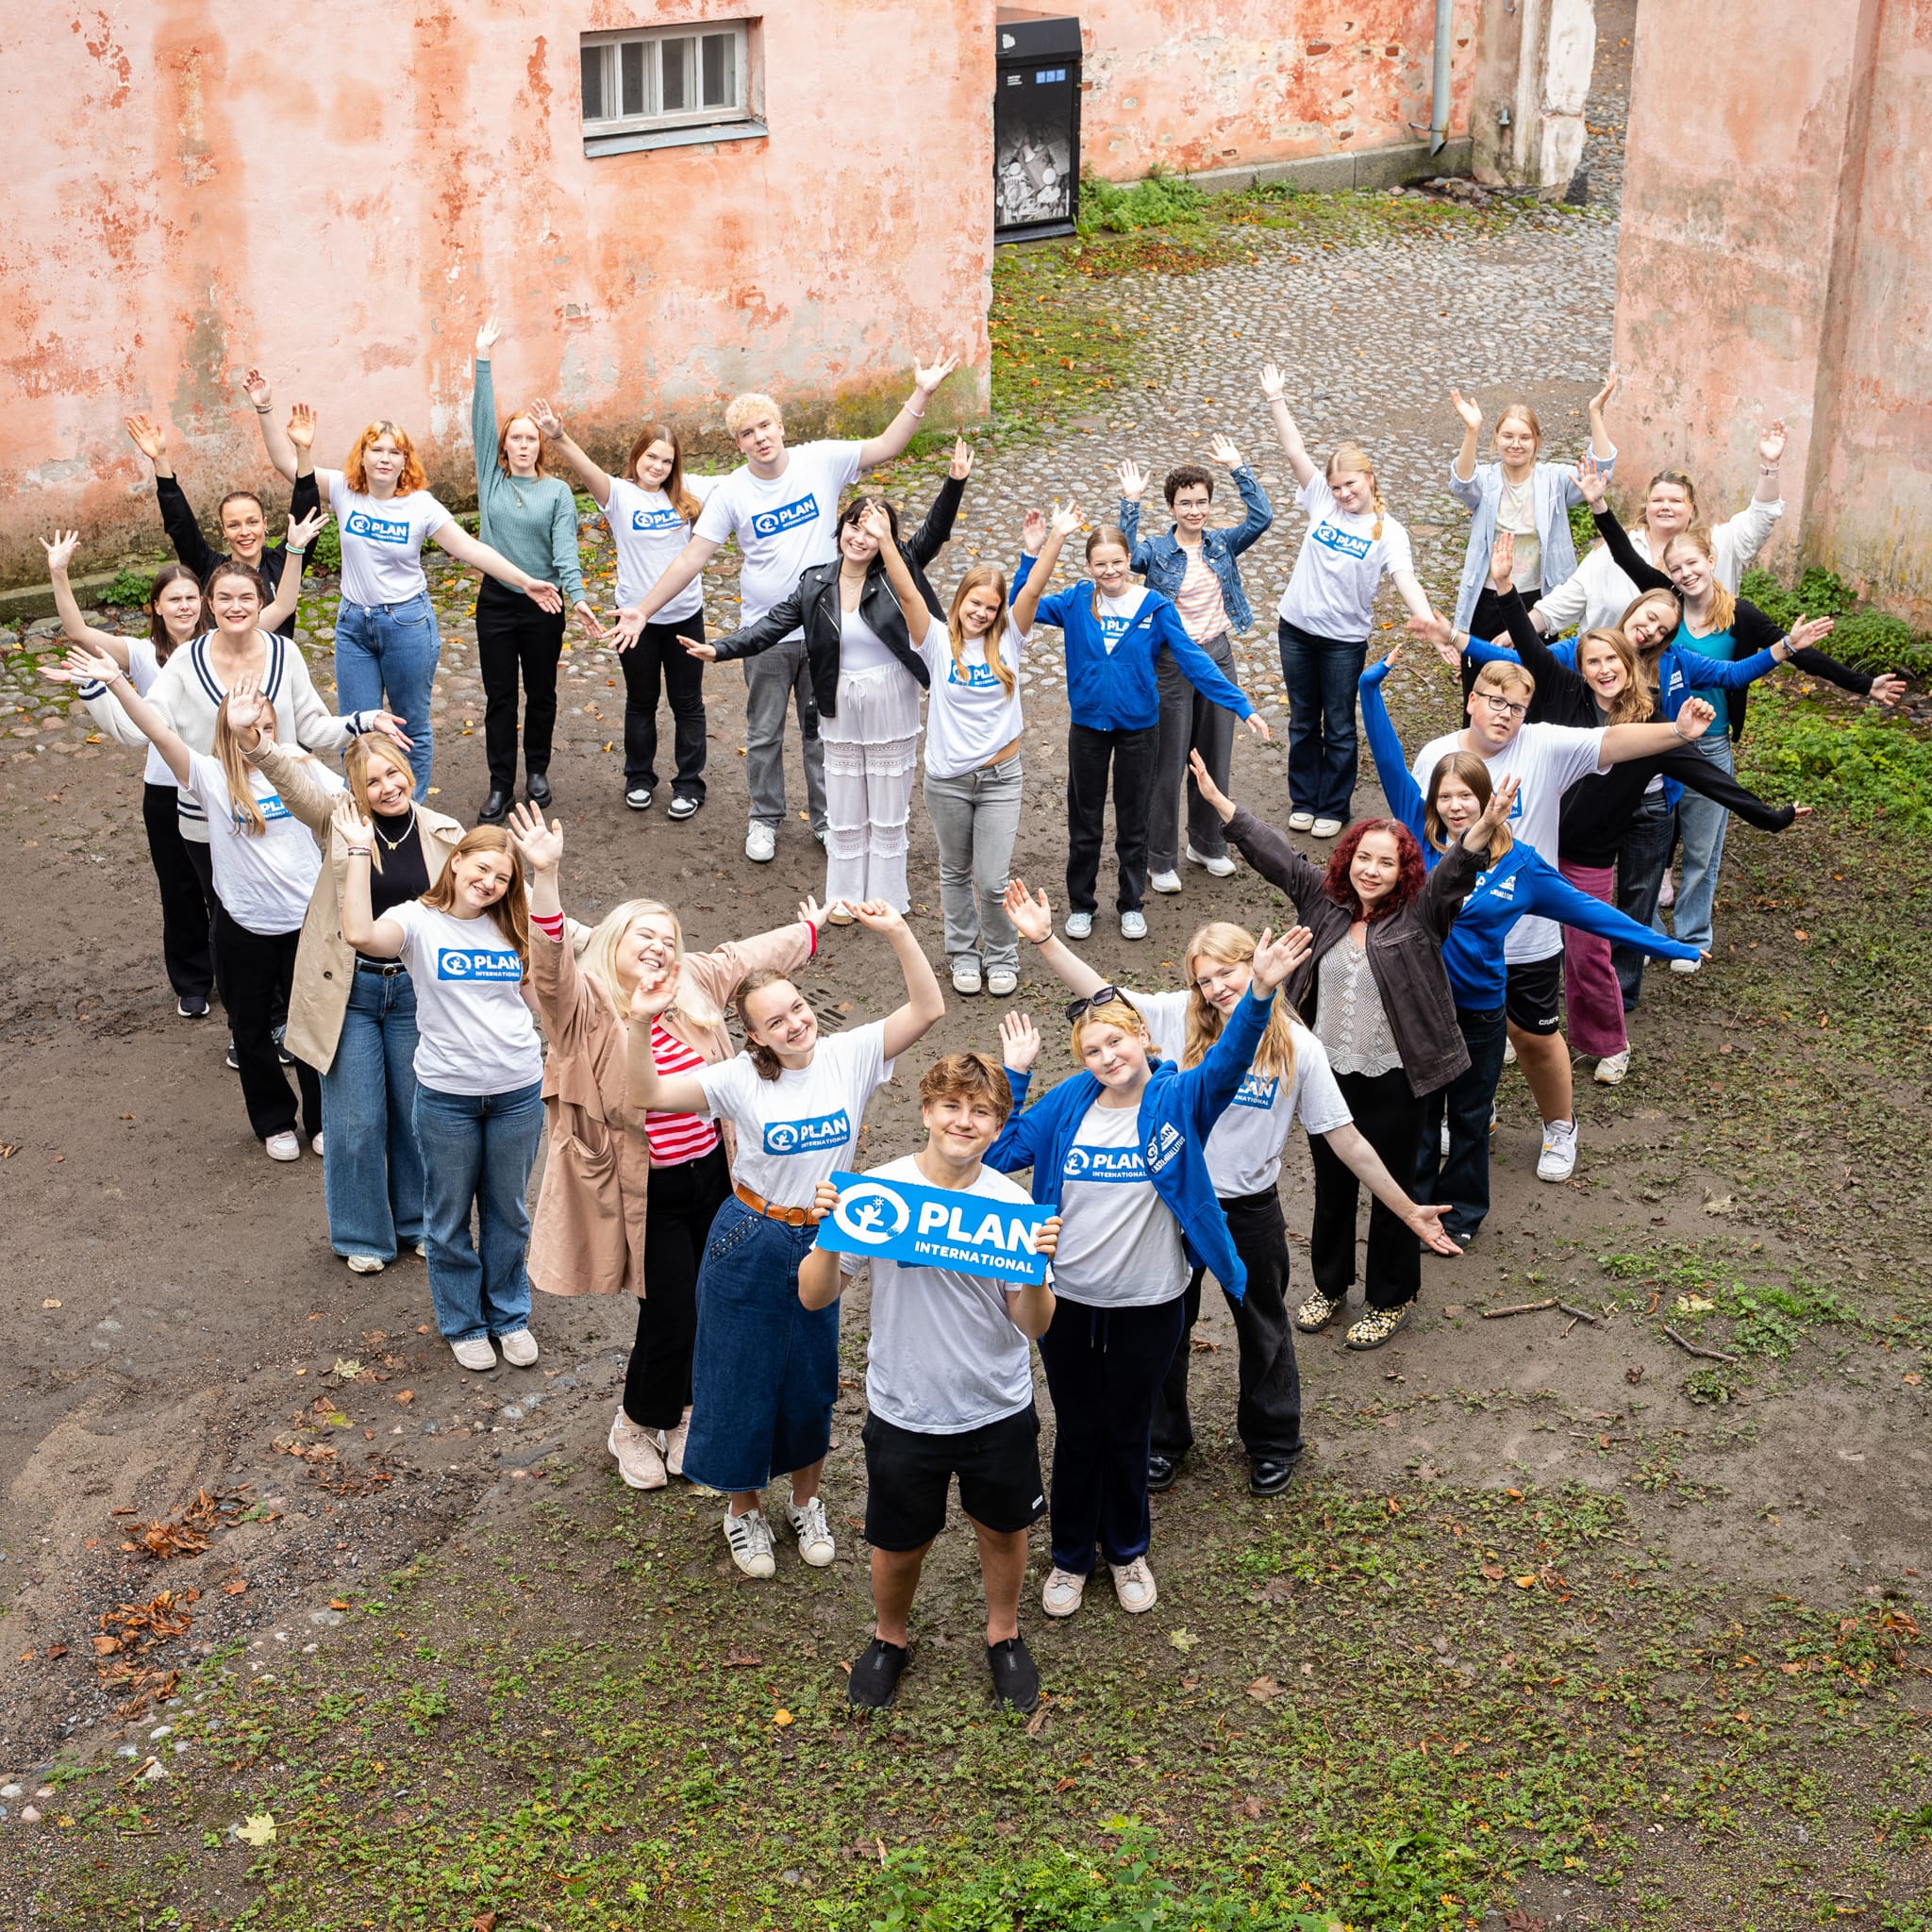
<point>404,875</point>
<point>200,555</point>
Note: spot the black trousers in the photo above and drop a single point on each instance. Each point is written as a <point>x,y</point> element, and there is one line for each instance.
<point>658,654</point>
<point>1131,755</point>
<point>187,910</point>
<point>1268,1413</point>
<point>256,970</point>
<point>513,634</point>
<point>1390,1118</point>
<point>683,1202</point>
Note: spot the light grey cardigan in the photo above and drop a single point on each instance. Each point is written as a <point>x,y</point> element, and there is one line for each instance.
<point>1554,489</point>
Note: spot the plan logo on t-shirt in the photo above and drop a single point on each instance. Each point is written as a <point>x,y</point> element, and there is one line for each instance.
<point>1113,629</point>
<point>1256,1091</point>
<point>1163,1146</point>
<point>270,807</point>
<point>376,530</point>
<point>974,677</point>
<point>1104,1164</point>
<point>666,519</point>
<point>478,963</point>
<point>812,1136</point>
<point>790,516</point>
<point>1332,538</point>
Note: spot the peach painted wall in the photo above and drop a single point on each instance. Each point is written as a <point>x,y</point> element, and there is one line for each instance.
<point>342,201</point>
<point>1776,259</point>
<point>1190,85</point>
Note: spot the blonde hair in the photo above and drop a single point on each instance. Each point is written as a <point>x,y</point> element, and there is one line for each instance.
<point>1229,944</point>
<point>245,812</point>
<point>982,577</point>
<point>413,476</point>
<point>1121,1013</point>
<point>741,411</point>
<point>1476,775</point>
<point>510,914</point>
<point>1635,702</point>
<point>1352,456</point>
<point>598,960</point>
<point>1524,413</point>
<point>1724,604</point>
<point>355,770</point>
<point>1649,654</point>
<point>1098,539</point>
<point>1499,674</point>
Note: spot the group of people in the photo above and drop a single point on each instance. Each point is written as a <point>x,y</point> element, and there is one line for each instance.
<point>440,1007</point>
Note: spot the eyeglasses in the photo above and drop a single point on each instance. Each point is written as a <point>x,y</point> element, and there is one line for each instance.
<point>1100,996</point>
<point>1503,707</point>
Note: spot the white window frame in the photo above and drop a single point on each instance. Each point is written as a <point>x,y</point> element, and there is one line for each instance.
<point>653,127</point>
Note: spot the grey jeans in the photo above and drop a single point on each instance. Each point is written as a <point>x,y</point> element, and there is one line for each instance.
<point>771,679</point>
<point>1189,723</point>
<point>976,818</point>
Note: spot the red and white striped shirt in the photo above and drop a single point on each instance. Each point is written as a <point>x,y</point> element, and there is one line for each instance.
<point>676,1137</point>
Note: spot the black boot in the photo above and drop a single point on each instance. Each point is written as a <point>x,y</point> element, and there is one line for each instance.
<point>537,789</point>
<point>494,808</point>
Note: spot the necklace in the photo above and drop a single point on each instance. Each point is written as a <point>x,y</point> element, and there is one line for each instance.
<point>393,844</point>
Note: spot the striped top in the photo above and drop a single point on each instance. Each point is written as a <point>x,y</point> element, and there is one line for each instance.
<point>1197,598</point>
<point>676,1137</point>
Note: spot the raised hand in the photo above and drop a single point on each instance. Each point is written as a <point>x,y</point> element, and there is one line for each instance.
<point>486,337</point>
<point>1133,481</point>
<point>1031,915</point>
<point>243,704</point>
<point>1032,532</point>
<point>1701,715</point>
<point>1066,517</point>
<point>1257,726</point>
<point>60,551</point>
<point>301,425</point>
<point>697,647</point>
<point>1395,651</point>
<point>1771,444</point>
<point>545,596</point>
<point>391,726</point>
<point>256,388</point>
<point>546,419</point>
<point>961,466</point>
<point>1807,631</point>
<point>1502,800</point>
<point>1592,480</point>
<point>150,438</point>
<point>1275,959</point>
<point>877,915</point>
<point>928,377</point>
<point>1223,450</point>
<point>1468,408</point>
<point>303,531</point>
<point>539,846</point>
<point>876,524</point>
<point>347,819</point>
<point>656,990</point>
<point>1019,1042</point>
<point>1600,402</point>
<point>812,914</point>
<point>1274,384</point>
<point>83,666</point>
<point>1502,560</point>
<point>1210,792</point>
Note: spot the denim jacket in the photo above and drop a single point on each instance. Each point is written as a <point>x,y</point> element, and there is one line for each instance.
<point>1164,563</point>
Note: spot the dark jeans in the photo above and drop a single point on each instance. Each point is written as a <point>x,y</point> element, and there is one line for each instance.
<point>1461,1183</point>
<point>256,970</point>
<point>1088,755</point>
<point>513,634</point>
<point>682,1204</point>
<point>1390,1118</point>
<point>1268,1415</point>
<point>187,910</point>
<point>1641,861</point>
<point>1321,674</point>
<point>1103,1369</point>
<point>658,652</point>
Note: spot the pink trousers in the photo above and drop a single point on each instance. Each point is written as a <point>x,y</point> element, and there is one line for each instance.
<point>1593,1000</point>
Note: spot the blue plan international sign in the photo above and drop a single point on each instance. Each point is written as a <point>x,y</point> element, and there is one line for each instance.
<point>935,1227</point>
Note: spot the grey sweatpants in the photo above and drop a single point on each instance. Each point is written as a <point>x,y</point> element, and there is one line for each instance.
<point>976,818</point>
<point>771,680</point>
<point>1188,722</point>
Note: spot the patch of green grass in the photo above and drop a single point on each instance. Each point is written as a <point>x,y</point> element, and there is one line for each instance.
<point>1870,769</point>
<point>1162,200</point>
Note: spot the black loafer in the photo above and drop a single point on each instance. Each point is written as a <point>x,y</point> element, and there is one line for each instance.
<point>1161,1470</point>
<point>1015,1676</point>
<point>876,1676</point>
<point>537,789</point>
<point>494,808</point>
<point>1268,1475</point>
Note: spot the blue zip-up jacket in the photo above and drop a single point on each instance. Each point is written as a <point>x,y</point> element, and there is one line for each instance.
<point>1520,883</point>
<point>1164,563</point>
<point>1679,672</point>
<point>1178,1109</point>
<point>1116,690</point>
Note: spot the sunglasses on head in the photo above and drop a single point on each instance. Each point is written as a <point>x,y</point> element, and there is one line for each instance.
<point>1100,996</point>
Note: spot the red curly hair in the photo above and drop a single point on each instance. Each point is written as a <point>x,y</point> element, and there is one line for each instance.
<point>1408,880</point>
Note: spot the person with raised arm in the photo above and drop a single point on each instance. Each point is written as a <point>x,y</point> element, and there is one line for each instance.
<point>1521,495</point>
<point>764,1368</point>
<point>1289,1078</point>
<point>949,1387</point>
<point>530,517</point>
<point>1113,631</point>
<point>1327,612</point>
<point>629,1193</point>
<point>1199,570</point>
<point>782,506</point>
<point>387,637</point>
<point>1117,1151</point>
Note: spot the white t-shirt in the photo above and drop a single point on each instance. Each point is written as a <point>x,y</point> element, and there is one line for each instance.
<point>1117,613</point>
<point>473,1033</point>
<point>649,533</point>
<point>968,716</point>
<point>794,1130</point>
<point>944,1355</point>
<point>1546,760</point>
<point>264,880</point>
<point>143,667</point>
<point>382,541</point>
<point>1332,591</point>
<point>784,524</point>
<point>1244,1146</point>
<point>1120,1245</point>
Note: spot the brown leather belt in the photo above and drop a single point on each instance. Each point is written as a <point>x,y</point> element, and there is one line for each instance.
<point>1000,756</point>
<point>792,1217</point>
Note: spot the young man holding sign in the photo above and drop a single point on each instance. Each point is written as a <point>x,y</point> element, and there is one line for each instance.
<point>949,1374</point>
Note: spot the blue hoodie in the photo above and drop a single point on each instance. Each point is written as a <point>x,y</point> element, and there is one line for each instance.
<point>1178,1109</point>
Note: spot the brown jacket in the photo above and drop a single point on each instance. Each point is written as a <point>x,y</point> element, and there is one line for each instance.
<point>325,960</point>
<point>589,1234</point>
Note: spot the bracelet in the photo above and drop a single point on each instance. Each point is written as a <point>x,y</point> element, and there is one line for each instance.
<point>1768,469</point>
<point>263,409</point>
<point>357,851</point>
<point>907,408</point>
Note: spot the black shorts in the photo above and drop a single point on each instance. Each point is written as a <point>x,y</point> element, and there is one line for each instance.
<point>908,1473</point>
<point>1534,994</point>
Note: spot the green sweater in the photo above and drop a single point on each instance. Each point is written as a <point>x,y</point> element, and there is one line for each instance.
<point>531,520</point>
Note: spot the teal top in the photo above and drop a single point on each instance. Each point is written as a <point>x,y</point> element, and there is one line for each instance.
<point>1722,645</point>
<point>531,520</point>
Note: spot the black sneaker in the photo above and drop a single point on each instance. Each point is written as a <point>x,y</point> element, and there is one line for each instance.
<point>282,1052</point>
<point>1268,1475</point>
<point>190,1005</point>
<point>876,1676</point>
<point>1161,1470</point>
<point>1015,1676</point>
<point>234,1064</point>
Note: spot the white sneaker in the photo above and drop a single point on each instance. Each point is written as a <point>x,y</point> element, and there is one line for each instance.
<point>639,1461</point>
<point>1612,1067</point>
<point>475,1354</point>
<point>1080,926</point>
<point>1558,1160</point>
<point>1508,1053</point>
<point>519,1350</point>
<point>1444,1139</point>
<point>283,1147</point>
<point>1300,821</point>
<point>365,1264</point>
<point>1133,1584</point>
<point>1686,965</point>
<point>760,847</point>
<point>422,1249</point>
<point>809,1525</point>
<point>1002,982</point>
<point>1325,828</point>
<point>1221,868</point>
<point>1133,925</point>
<point>750,1536</point>
<point>1061,1593</point>
<point>316,1143</point>
<point>674,1443</point>
<point>966,976</point>
<point>1165,881</point>
<point>1667,891</point>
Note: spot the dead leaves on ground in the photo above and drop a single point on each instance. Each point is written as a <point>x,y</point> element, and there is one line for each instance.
<point>187,1531</point>
<point>127,1633</point>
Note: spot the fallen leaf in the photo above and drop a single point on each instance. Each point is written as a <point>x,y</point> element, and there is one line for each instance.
<point>407,1395</point>
<point>258,1828</point>
<point>339,1602</point>
<point>1182,1639</point>
<point>1262,1689</point>
<point>483,1922</point>
<point>1525,1582</point>
<point>235,1586</point>
<point>1633,1375</point>
<point>50,1303</point>
<point>104,1646</point>
<point>1494,1572</point>
<point>1034,1723</point>
<point>781,1718</point>
<point>1694,1305</point>
<point>54,1650</point>
<point>347,1369</point>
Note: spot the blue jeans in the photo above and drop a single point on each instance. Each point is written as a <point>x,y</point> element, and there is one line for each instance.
<point>1640,862</point>
<point>1701,824</point>
<point>1321,676</point>
<point>390,650</point>
<point>477,1151</point>
<point>1461,1183</point>
<point>372,1172</point>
